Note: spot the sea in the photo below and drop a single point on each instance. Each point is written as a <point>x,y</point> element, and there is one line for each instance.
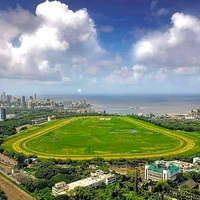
<point>136,103</point>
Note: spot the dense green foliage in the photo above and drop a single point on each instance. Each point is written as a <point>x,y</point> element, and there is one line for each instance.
<point>127,187</point>
<point>2,195</point>
<point>70,171</point>
<point>23,117</point>
<point>174,124</point>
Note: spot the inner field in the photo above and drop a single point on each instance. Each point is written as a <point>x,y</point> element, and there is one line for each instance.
<point>101,136</point>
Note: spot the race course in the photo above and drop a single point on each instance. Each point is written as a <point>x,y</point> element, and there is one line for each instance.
<point>107,137</point>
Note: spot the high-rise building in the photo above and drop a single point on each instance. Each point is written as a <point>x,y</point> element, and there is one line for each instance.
<point>48,100</point>
<point>35,97</point>
<point>4,96</point>
<point>53,104</point>
<point>30,105</point>
<point>2,114</point>
<point>23,102</point>
<point>8,99</point>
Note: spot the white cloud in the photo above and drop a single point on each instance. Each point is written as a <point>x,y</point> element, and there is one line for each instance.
<point>106,28</point>
<point>160,75</point>
<point>153,4</point>
<point>19,19</point>
<point>177,48</point>
<point>162,12</point>
<point>49,45</point>
<point>126,75</point>
<point>94,80</point>
<point>186,70</point>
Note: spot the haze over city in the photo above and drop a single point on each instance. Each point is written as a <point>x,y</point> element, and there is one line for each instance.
<point>121,46</point>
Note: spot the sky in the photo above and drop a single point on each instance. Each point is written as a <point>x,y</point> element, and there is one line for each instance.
<point>100,46</point>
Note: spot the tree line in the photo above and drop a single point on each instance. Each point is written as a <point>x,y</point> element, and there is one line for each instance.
<point>173,124</point>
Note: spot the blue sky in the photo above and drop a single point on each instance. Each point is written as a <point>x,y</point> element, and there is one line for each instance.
<point>97,47</point>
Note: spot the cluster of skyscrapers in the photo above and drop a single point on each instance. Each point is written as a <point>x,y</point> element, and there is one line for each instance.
<point>30,103</point>
<point>11,101</point>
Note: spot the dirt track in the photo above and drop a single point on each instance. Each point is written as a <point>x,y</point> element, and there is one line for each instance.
<point>12,191</point>
<point>185,144</point>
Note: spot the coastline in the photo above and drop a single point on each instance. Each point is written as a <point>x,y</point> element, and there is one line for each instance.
<point>122,104</point>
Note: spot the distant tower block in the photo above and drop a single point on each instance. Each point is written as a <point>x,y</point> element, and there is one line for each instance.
<point>4,96</point>
<point>35,97</point>
<point>23,102</point>
<point>2,114</point>
<point>30,105</point>
<point>53,104</point>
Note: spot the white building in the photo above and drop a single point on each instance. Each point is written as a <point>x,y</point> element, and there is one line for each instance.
<point>39,121</point>
<point>91,182</point>
<point>196,160</point>
<point>59,189</point>
<point>161,170</point>
<point>184,166</point>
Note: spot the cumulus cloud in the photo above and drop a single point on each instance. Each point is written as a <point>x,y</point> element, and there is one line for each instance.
<point>186,70</point>
<point>176,49</point>
<point>49,45</point>
<point>126,75</point>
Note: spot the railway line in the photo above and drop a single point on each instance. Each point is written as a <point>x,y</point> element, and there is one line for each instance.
<point>12,191</point>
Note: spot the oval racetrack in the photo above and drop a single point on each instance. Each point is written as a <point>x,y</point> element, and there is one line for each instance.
<point>20,143</point>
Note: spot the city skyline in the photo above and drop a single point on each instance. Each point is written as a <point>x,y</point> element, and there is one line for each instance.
<point>101,47</point>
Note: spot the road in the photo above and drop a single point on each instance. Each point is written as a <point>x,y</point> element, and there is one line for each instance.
<point>12,191</point>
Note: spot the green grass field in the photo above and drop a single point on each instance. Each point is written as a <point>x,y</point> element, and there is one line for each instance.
<point>108,137</point>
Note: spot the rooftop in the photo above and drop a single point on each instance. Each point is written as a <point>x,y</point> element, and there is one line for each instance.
<point>88,181</point>
<point>159,167</point>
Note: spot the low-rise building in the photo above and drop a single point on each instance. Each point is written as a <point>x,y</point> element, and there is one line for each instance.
<point>196,160</point>
<point>51,118</point>
<point>59,189</point>
<point>184,166</point>
<point>91,182</point>
<point>190,183</point>
<point>161,170</point>
<point>39,121</point>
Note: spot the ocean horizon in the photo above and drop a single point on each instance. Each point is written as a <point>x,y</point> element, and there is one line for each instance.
<point>158,104</point>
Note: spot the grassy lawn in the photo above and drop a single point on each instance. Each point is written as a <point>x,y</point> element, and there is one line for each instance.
<point>88,136</point>
<point>108,137</point>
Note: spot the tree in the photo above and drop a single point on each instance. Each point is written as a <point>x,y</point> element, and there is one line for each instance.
<point>46,170</point>
<point>28,183</point>
<point>161,186</point>
<point>40,184</point>
<point>82,193</point>
<point>195,176</point>
<point>3,195</point>
<point>62,197</point>
<point>21,160</point>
